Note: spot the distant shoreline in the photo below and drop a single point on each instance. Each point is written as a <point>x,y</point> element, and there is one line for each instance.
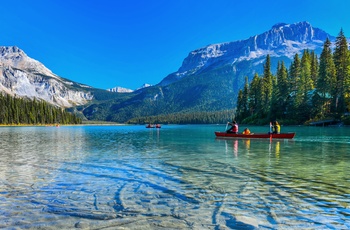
<point>104,123</point>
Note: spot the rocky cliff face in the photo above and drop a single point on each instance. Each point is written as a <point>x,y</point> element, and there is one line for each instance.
<point>23,76</point>
<point>283,40</point>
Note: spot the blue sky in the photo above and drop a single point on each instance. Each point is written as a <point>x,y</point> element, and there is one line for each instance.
<point>108,43</point>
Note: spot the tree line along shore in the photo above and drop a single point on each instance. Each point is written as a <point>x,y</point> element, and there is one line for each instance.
<point>311,89</point>
<point>23,111</point>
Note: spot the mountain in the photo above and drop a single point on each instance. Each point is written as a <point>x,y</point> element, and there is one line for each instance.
<point>283,41</point>
<point>119,89</point>
<point>23,76</point>
<point>210,77</point>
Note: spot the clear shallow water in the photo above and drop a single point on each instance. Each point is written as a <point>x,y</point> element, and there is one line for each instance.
<point>178,177</point>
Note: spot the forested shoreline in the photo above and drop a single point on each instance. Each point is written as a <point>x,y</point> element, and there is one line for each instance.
<point>214,117</point>
<point>22,111</point>
<point>310,89</point>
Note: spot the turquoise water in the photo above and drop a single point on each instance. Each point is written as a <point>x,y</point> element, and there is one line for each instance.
<point>176,177</point>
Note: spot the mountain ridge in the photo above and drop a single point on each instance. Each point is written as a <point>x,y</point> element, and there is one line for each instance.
<point>279,37</point>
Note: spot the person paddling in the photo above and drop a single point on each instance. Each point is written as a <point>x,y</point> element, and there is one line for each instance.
<point>276,128</point>
<point>233,128</point>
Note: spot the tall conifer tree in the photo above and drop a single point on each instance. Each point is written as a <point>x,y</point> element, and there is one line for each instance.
<point>282,90</point>
<point>255,95</point>
<point>240,105</point>
<point>325,85</point>
<point>294,73</point>
<point>293,79</point>
<point>314,67</point>
<point>342,63</point>
<point>245,98</point>
<point>267,86</point>
<point>304,87</point>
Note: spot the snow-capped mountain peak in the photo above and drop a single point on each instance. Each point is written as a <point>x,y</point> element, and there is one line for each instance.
<point>144,86</point>
<point>23,76</point>
<point>15,57</point>
<point>119,89</point>
<point>282,40</point>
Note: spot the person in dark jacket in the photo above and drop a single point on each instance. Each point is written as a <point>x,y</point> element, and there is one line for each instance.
<point>233,128</point>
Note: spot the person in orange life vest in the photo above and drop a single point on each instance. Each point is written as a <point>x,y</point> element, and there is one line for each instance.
<point>233,128</point>
<point>246,131</point>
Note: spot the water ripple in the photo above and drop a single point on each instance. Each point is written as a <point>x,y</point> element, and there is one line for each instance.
<point>129,177</point>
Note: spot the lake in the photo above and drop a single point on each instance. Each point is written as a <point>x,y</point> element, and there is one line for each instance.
<point>176,177</point>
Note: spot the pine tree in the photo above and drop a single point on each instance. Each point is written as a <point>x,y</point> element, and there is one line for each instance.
<point>294,74</point>
<point>245,98</point>
<point>314,66</point>
<point>240,105</point>
<point>282,90</point>
<point>255,95</point>
<point>266,86</point>
<point>325,85</point>
<point>304,87</point>
<point>342,63</point>
<point>293,79</point>
<point>274,110</point>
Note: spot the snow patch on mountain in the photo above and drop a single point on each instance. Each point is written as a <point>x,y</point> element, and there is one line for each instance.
<point>143,86</point>
<point>118,89</point>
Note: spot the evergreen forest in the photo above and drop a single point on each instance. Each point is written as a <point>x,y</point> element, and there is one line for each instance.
<point>214,117</point>
<point>310,89</point>
<point>22,111</point>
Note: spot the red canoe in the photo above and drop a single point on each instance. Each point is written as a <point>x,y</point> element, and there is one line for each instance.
<point>255,135</point>
<point>153,126</point>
